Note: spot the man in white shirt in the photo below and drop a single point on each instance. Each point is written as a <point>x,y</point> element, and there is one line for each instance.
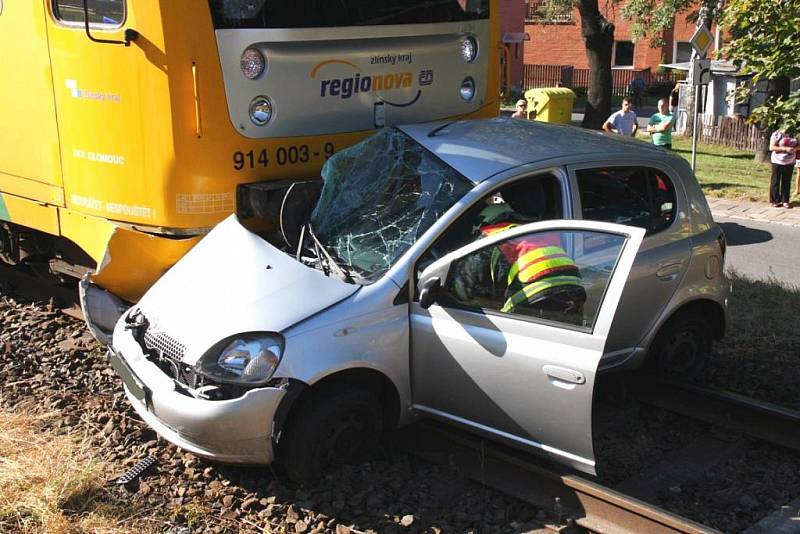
<point>623,122</point>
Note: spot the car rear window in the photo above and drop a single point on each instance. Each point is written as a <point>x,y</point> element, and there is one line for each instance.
<point>636,196</point>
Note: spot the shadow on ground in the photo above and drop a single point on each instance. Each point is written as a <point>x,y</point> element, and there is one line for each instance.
<point>737,235</point>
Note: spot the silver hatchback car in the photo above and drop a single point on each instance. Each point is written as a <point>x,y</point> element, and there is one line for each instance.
<point>479,272</point>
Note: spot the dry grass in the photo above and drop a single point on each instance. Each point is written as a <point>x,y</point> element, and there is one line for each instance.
<point>52,483</point>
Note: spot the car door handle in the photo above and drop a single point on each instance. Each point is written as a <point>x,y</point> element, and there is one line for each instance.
<point>669,270</point>
<point>564,375</point>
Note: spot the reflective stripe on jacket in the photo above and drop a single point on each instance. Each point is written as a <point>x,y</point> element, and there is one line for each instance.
<point>529,291</point>
<point>536,266</point>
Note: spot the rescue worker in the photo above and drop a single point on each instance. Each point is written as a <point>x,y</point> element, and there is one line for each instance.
<point>532,275</point>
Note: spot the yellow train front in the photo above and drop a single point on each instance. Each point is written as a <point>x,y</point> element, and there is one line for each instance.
<point>124,139</point>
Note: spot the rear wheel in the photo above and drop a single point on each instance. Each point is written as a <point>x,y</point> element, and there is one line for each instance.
<point>682,347</point>
<point>333,427</point>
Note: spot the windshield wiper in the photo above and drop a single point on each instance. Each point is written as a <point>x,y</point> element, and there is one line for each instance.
<point>339,270</point>
<point>402,10</point>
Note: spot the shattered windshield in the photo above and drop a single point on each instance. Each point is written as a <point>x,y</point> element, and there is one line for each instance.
<point>378,197</point>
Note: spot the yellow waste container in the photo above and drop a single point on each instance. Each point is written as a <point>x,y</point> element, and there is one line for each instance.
<point>551,104</point>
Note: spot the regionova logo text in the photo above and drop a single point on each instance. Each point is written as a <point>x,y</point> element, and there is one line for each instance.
<point>361,82</point>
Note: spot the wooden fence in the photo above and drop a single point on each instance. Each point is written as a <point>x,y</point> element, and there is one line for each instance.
<point>569,76</point>
<point>728,131</point>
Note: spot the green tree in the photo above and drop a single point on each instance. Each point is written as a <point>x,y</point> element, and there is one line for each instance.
<point>763,42</point>
<point>651,18</point>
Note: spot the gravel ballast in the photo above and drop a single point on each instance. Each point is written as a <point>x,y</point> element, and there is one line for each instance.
<point>49,362</point>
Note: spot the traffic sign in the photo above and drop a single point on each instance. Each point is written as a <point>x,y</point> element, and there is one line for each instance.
<point>701,40</point>
<point>701,71</point>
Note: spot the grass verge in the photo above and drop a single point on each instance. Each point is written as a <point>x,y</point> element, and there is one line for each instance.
<point>52,483</point>
<point>727,172</point>
<point>760,354</point>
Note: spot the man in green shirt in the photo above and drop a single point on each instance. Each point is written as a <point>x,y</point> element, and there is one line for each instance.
<point>660,126</point>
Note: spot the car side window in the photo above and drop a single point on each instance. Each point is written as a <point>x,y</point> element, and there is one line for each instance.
<point>557,276</point>
<point>536,198</point>
<point>107,12</point>
<point>636,196</point>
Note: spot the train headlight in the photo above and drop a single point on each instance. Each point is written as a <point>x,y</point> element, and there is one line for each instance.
<point>253,63</point>
<point>469,49</point>
<point>467,89</point>
<point>261,110</point>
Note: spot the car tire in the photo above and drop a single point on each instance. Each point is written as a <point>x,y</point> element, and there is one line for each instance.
<point>333,427</point>
<point>682,347</point>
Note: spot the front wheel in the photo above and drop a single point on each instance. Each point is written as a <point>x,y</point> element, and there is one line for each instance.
<point>333,427</point>
<point>682,347</point>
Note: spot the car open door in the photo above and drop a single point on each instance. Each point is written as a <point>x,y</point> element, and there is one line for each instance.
<point>517,361</point>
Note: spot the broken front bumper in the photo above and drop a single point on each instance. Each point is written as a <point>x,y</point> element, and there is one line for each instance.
<point>235,431</point>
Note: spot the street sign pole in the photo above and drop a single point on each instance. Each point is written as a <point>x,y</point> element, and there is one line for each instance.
<point>697,90</point>
<point>701,70</point>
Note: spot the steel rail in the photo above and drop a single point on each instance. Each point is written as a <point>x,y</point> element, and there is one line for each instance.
<point>752,417</point>
<point>571,502</point>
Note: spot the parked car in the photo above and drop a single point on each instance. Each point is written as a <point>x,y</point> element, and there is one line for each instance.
<point>479,272</point>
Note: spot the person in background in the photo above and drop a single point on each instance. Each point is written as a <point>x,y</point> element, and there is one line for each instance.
<point>797,180</point>
<point>521,111</point>
<point>622,122</point>
<point>784,154</point>
<point>660,127</point>
<point>636,90</point>
<point>674,98</point>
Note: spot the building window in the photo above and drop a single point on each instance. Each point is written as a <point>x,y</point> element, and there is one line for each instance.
<point>683,52</point>
<point>623,53</point>
<point>106,12</point>
<point>548,12</point>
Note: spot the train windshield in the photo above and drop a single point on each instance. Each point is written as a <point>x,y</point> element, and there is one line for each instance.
<point>336,13</point>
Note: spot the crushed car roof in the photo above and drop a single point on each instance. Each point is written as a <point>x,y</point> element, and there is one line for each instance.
<point>482,148</point>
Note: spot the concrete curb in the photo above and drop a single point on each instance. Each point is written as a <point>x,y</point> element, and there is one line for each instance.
<point>754,211</point>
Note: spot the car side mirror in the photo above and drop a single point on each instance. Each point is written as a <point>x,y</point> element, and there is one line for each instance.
<point>428,289</point>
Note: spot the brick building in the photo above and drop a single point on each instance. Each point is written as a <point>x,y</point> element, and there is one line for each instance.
<point>512,38</point>
<point>551,35</point>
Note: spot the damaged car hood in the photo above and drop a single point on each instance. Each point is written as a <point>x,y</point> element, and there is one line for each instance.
<point>232,282</point>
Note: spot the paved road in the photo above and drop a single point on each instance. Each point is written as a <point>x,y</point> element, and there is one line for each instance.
<point>760,249</point>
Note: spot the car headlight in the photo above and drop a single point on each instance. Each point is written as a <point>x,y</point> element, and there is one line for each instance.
<point>244,359</point>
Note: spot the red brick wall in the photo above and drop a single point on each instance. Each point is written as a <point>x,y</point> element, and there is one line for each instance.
<point>562,44</point>
<point>512,20</point>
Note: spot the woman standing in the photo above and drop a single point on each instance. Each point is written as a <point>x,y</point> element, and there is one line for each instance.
<point>784,155</point>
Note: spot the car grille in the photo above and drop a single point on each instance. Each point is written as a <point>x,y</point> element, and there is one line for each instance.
<point>167,352</point>
<point>164,344</point>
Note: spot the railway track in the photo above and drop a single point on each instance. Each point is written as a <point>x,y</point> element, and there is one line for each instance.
<point>571,503</point>
<point>752,417</point>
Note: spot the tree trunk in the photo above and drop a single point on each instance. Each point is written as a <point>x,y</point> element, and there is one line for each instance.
<point>777,88</point>
<point>598,36</point>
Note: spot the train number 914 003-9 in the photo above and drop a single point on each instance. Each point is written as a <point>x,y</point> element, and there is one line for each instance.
<point>285,155</point>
